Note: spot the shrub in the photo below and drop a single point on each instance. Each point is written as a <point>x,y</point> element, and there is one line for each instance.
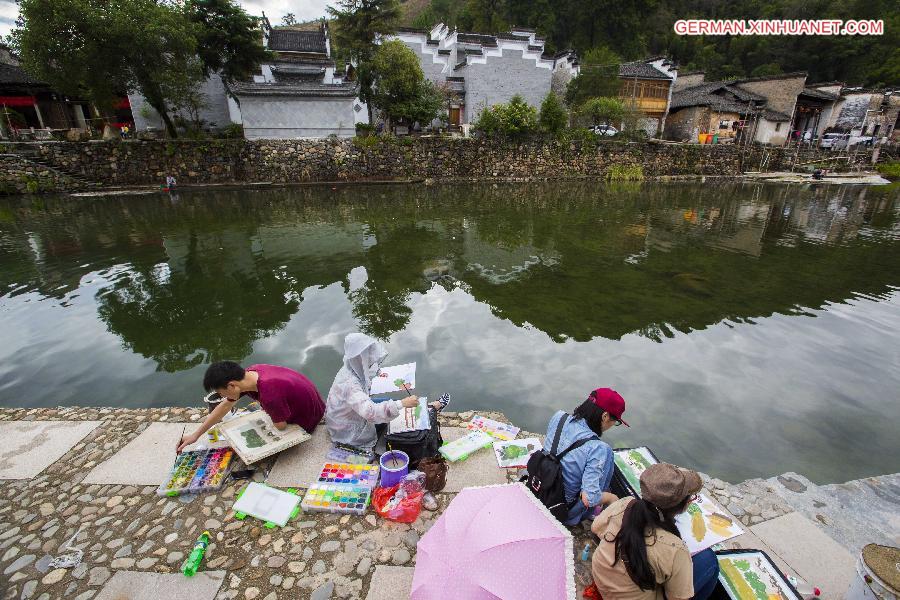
<point>553,117</point>
<point>234,131</point>
<point>625,173</point>
<point>514,119</point>
<point>891,170</point>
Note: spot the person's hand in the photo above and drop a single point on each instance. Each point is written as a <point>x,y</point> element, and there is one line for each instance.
<point>608,498</point>
<point>436,405</point>
<point>410,402</point>
<point>585,501</point>
<point>186,441</point>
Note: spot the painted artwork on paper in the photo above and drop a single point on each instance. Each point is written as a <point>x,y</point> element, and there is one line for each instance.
<point>632,462</point>
<point>704,524</point>
<point>751,576</point>
<point>254,437</point>
<point>257,434</point>
<point>497,429</point>
<point>394,379</point>
<point>514,454</point>
<point>412,419</point>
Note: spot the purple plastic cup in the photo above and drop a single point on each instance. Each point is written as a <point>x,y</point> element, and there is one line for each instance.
<point>394,467</point>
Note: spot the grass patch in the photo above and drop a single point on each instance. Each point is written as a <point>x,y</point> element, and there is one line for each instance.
<point>625,173</point>
<point>890,170</point>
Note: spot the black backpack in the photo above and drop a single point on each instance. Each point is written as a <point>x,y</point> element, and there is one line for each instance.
<point>420,444</point>
<point>544,477</point>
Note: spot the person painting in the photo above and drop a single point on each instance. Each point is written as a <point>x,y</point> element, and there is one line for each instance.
<point>350,414</point>
<point>588,469</point>
<point>284,394</point>
<point>641,555</point>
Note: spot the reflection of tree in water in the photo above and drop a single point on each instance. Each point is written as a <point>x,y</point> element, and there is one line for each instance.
<point>207,308</point>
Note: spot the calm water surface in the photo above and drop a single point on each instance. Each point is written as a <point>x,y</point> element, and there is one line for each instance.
<point>753,329</point>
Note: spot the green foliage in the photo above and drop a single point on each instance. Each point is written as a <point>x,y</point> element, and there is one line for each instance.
<point>625,173</point>
<point>553,117</point>
<point>399,88</point>
<point>890,170</point>
<point>228,39</point>
<point>602,110</point>
<point>516,118</point>
<point>234,131</point>
<point>365,142</point>
<point>289,19</point>
<point>599,77</point>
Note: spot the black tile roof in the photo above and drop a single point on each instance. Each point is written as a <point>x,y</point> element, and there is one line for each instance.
<point>819,94</point>
<point>343,90</point>
<point>641,70</point>
<point>476,38</point>
<point>10,74</point>
<point>288,40</point>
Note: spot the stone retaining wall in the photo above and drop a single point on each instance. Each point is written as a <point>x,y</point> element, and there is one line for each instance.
<point>137,162</point>
<point>21,176</point>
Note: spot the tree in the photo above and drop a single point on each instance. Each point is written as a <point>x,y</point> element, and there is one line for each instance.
<point>400,90</point>
<point>358,23</point>
<point>228,39</point>
<point>513,119</point>
<point>599,77</point>
<point>553,117</point>
<point>96,49</point>
<point>288,20</point>
<point>603,109</point>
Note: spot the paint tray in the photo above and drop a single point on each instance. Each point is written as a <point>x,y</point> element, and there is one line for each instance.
<point>498,429</point>
<point>461,449</point>
<point>630,463</point>
<point>337,498</point>
<point>349,474</point>
<point>198,471</point>
<point>274,506</point>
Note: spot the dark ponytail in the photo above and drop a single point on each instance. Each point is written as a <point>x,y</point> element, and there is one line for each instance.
<point>640,519</point>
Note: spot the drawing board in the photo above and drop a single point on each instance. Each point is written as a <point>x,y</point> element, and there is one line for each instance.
<point>254,437</point>
<point>751,575</point>
<point>631,462</point>
<point>412,419</point>
<point>393,379</point>
<point>514,454</point>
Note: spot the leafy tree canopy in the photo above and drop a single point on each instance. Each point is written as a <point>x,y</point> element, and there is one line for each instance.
<point>228,39</point>
<point>599,76</point>
<point>514,119</point>
<point>400,90</point>
<point>553,117</point>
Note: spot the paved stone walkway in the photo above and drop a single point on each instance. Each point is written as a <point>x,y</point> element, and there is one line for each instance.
<point>97,488</point>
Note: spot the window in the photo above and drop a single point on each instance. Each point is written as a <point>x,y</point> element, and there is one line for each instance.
<point>863,132</point>
<point>777,126</point>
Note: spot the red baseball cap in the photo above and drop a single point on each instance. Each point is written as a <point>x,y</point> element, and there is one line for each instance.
<point>611,401</point>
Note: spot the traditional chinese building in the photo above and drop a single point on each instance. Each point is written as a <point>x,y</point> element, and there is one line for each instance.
<point>647,88</point>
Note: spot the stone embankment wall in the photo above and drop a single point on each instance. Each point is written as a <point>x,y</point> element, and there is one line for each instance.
<point>135,162</point>
<point>21,176</point>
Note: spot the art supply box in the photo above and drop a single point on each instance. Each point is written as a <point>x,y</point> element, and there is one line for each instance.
<point>349,474</point>
<point>198,471</point>
<point>337,498</point>
<point>461,449</point>
<point>274,506</point>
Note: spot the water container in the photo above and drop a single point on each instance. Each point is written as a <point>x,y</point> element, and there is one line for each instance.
<point>876,570</point>
<point>394,467</point>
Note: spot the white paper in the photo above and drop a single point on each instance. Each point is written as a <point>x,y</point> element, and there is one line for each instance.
<point>412,419</point>
<point>390,379</point>
<point>513,454</point>
<point>267,503</point>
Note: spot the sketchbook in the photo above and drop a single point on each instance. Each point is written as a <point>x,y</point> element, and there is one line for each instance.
<point>514,454</point>
<point>254,437</point>
<point>497,429</point>
<point>394,379</point>
<point>411,419</point>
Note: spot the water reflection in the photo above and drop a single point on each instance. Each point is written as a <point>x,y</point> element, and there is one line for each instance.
<point>515,296</point>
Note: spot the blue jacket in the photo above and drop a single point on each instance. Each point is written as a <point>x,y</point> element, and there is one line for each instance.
<point>587,469</point>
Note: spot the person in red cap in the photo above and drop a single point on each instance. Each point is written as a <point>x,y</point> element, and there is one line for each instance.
<point>588,468</point>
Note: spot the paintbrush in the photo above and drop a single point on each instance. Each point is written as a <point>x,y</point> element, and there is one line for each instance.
<point>183,430</point>
<point>394,461</point>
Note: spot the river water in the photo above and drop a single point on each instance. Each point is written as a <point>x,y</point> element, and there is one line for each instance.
<point>752,328</point>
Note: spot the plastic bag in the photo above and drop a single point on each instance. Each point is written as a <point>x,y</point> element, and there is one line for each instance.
<point>396,504</point>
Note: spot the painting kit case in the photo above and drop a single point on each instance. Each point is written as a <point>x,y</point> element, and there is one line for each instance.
<point>337,498</point>
<point>275,507</point>
<point>461,449</point>
<point>254,437</point>
<point>364,475</point>
<point>734,585</point>
<point>620,486</point>
<point>198,471</point>
<point>497,429</point>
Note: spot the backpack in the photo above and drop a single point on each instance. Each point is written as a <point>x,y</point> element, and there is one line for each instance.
<point>420,444</point>
<point>544,477</point>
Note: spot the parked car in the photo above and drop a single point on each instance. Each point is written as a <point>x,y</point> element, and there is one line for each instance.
<point>604,130</point>
<point>862,140</point>
<point>835,141</point>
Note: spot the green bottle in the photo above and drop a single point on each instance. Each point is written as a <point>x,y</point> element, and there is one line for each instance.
<point>190,566</point>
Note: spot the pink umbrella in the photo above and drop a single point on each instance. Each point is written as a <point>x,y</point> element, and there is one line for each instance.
<point>496,541</point>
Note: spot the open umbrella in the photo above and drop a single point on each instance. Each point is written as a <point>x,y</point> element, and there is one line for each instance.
<point>495,541</point>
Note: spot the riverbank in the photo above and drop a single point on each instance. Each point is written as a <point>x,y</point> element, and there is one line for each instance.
<point>54,167</point>
<point>77,480</point>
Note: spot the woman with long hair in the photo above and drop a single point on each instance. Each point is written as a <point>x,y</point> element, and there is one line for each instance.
<point>641,555</point>
<point>587,470</point>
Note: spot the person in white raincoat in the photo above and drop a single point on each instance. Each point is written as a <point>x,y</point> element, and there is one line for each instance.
<point>350,414</point>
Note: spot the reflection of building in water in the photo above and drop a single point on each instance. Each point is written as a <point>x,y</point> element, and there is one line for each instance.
<point>831,215</point>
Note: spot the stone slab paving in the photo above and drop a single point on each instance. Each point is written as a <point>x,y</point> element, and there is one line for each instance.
<point>816,557</point>
<point>29,447</point>
<point>750,541</point>
<point>299,466</point>
<point>145,460</point>
<point>479,469</point>
<point>854,514</point>
<point>391,583</point>
<point>135,585</point>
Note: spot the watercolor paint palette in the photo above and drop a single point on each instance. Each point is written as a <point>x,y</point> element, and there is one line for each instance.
<point>461,449</point>
<point>499,430</point>
<point>337,498</point>
<point>349,474</point>
<point>198,471</point>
